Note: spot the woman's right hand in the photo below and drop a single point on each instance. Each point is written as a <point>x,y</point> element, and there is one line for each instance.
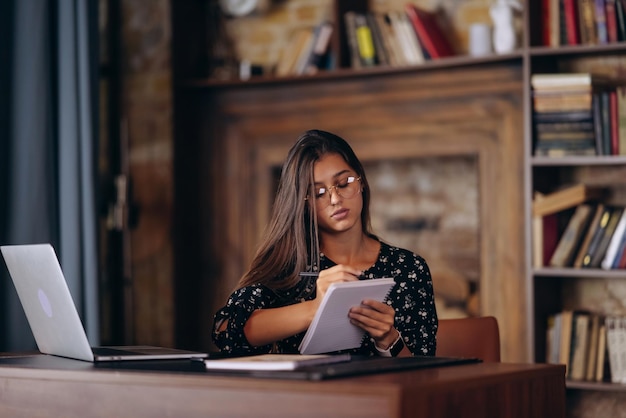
<point>335,274</point>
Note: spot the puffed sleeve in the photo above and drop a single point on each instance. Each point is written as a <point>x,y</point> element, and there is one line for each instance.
<point>230,320</point>
<point>414,301</point>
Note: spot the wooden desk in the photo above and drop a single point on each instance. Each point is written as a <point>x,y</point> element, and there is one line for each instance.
<point>496,390</point>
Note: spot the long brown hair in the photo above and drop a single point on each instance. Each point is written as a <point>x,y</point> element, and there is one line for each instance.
<point>291,241</point>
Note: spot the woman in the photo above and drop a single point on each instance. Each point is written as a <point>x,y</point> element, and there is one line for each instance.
<point>321,222</point>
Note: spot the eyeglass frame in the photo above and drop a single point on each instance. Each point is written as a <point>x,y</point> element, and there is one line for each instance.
<point>328,190</point>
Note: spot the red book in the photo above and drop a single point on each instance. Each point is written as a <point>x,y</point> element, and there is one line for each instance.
<point>545,29</point>
<point>570,7</point>
<point>430,34</point>
<point>550,237</point>
<point>614,121</point>
<point>611,21</point>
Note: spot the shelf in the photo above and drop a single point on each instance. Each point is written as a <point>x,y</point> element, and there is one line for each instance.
<point>599,386</point>
<point>347,73</point>
<point>575,50</point>
<point>579,273</point>
<point>578,161</point>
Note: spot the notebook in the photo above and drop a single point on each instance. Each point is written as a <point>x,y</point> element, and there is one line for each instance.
<point>331,329</point>
<point>357,366</point>
<point>52,315</point>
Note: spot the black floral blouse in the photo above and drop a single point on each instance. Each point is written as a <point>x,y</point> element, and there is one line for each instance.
<point>412,298</point>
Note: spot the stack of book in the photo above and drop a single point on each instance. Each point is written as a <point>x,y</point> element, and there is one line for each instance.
<point>307,51</point>
<point>586,233</point>
<point>396,38</point>
<point>549,215</point>
<point>577,114</point>
<point>591,345</point>
<point>575,22</point>
<point>594,238</point>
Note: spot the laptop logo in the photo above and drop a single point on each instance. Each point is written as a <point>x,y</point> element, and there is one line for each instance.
<point>45,302</point>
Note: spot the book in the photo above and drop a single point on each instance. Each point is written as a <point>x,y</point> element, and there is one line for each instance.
<point>395,55</point>
<point>319,50</point>
<point>606,122</point>
<point>613,123</point>
<point>580,346</point>
<point>565,340</point>
<point>601,353</point>
<point>565,198</point>
<point>330,329</point>
<point>621,339</point>
<point>552,22</point>
<point>600,16</point>
<point>611,21</point>
<point>411,47</point>
<point>565,81</point>
<point>621,23</point>
<point>364,40</point>
<point>594,247</point>
<point>545,239</point>
<point>563,116</point>
<point>613,340</point>
<point>382,56</point>
<point>597,123</point>
<point>353,46</point>
<point>605,240</point>
<point>593,225</point>
<point>619,261</point>
<point>429,32</point>
<point>570,9</point>
<point>615,241</point>
<point>621,119</point>
<point>553,329</point>
<point>274,361</point>
<point>569,242</point>
<point>298,45</point>
<point>592,357</point>
<point>587,21</point>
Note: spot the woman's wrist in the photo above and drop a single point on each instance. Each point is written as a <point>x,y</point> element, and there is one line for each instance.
<point>392,349</point>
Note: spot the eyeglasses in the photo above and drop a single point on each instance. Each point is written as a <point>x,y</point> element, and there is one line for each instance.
<point>346,187</point>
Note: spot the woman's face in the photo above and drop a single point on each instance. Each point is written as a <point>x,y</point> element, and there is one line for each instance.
<point>337,195</point>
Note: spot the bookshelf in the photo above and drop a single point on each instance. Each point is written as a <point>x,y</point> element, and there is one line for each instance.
<point>541,288</point>
<point>552,290</point>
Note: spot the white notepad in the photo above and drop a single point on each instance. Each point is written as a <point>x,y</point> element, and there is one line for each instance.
<point>274,361</point>
<point>331,329</point>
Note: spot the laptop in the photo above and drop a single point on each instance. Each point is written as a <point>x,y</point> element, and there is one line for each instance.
<point>52,315</point>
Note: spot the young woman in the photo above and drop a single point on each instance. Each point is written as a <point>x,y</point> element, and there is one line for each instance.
<point>321,222</point>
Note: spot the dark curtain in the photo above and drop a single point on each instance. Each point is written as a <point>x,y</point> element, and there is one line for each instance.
<point>48,124</point>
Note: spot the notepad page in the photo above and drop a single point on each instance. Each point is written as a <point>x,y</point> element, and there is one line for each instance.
<point>331,329</point>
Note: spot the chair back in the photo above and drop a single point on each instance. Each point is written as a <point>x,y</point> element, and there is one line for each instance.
<point>470,338</point>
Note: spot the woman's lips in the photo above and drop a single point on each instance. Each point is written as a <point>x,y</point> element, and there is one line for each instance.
<point>340,214</point>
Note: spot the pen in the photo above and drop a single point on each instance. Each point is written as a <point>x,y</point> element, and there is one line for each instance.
<point>317,273</point>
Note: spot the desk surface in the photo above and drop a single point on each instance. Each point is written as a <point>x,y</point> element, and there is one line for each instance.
<point>72,388</point>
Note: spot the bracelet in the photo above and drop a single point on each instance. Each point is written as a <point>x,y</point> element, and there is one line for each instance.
<point>394,349</point>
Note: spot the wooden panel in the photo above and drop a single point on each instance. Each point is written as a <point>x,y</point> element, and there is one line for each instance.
<point>455,111</point>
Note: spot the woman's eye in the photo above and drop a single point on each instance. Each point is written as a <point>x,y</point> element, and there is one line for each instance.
<point>342,184</point>
<point>320,192</point>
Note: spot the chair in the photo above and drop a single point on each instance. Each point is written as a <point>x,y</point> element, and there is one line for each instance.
<point>469,337</point>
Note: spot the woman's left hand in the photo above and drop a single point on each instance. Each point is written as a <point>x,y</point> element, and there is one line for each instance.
<point>376,318</point>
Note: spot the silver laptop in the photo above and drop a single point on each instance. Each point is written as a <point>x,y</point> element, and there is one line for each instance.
<point>52,315</point>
